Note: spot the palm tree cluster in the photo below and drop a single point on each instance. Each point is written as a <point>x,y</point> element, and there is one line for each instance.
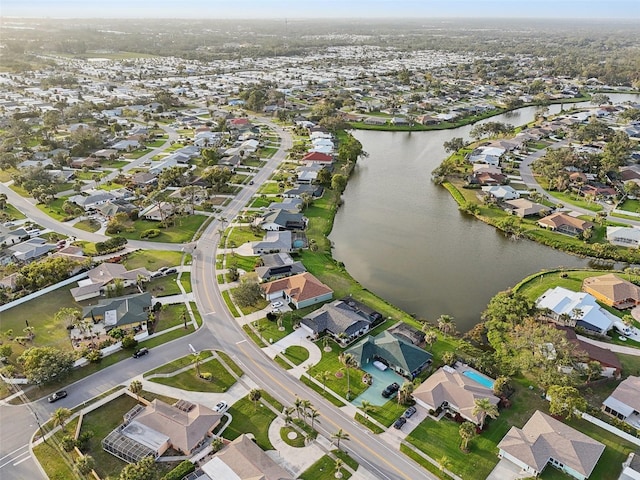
<point>304,409</point>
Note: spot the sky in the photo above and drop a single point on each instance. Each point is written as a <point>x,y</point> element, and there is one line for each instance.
<point>251,9</point>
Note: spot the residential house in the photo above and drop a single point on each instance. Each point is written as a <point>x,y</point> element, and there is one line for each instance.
<point>569,308</point>
<point>612,291</point>
<point>274,242</point>
<point>624,236</point>
<point>30,250</point>
<point>129,312</point>
<point>563,223</point>
<point>163,210</point>
<point>313,190</point>
<point>100,278</point>
<point>302,290</point>
<point>524,208</point>
<point>631,468</point>
<point>454,391</point>
<point>501,192</point>
<point>281,220</point>
<point>243,459</point>
<point>278,265</point>
<point>152,430</point>
<point>402,357</point>
<point>338,319</point>
<point>624,402</point>
<point>544,441</point>
<point>92,200</point>
<point>485,177</point>
<point>317,157</point>
<point>291,204</point>
<point>611,366</point>
<point>488,155</point>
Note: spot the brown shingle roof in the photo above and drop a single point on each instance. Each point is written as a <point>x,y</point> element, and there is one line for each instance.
<point>544,437</point>
<point>557,220</point>
<point>299,287</point>
<point>612,287</point>
<point>185,429</point>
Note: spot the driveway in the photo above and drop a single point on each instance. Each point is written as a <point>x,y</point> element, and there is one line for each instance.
<point>506,470</point>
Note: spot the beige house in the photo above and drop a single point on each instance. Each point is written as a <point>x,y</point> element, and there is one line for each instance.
<point>242,459</point>
<point>302,290</point>
<point>449,389</point>
<point>613,291</point>
<point>563,223</point>
<point>543,441</point>
<point>105,274</point>
<point>624,402</point>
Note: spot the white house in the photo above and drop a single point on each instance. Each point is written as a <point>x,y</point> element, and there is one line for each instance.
<point>581,307</point>
<point>501,192</point>
<point>624,236</point>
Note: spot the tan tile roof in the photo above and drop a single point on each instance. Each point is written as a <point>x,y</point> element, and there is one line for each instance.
<point>556,220</point>
<point>455,389</point>
<point>249,462</point>
<point>628,392</point>
<point>299,287</point>
<point>612,287</point>
<point>544,437</point>
<point>185,429</point>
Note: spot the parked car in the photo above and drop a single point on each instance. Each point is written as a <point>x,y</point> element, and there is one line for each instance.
<point>409,412</point>
<point>390,390</point>
<point>163,269</point>
<point>156,274</point>
<point>277,304</point>
<point>221,407</point>
<point>139,353</point>
<point>251,182</point>
<point>54,397</point>
<point>399,423</point>
<point>171,270</point>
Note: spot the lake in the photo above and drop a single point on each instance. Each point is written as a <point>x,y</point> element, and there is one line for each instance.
<point>403,237</point>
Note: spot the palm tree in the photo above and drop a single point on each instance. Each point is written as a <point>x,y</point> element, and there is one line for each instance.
<point>255,395</point>
<point>323,377</point>
<point>313,414</point>
<point>448,358</point>
<point>60,416</point>
<point>467,431</point>
<point>340,435</point>
<point>298,406</point>
<point>484,408</point>
<point>136,387</point>
<point>349,361</point>
<point>306,405</point>
<point>430,337</point>
<point>405,392</point>
<point>366,408</point>
<point>197,358</point>
<point>339,467</point>
<point>501,385</point>
<point>446,324</point>
<point>444,463</point>
<point>287,415</point>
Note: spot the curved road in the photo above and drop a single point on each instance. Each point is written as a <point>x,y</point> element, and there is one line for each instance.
<point>220,331</point>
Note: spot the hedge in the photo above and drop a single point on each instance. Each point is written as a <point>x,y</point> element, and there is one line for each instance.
<point>182,470</point>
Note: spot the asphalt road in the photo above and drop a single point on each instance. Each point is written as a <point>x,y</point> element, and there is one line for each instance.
<point>220,331</point>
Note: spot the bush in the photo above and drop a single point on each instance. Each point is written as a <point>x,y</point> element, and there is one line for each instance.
<point>105,343</point>
<point>206,376</point>
<point>151,233</point>
<point>68,443</point>
<point>112,245</point>
<point>182,470</point>
<point>94,356</point>
<point>129,343</point>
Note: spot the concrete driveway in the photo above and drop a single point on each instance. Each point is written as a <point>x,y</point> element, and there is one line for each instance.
<point>506,470</point>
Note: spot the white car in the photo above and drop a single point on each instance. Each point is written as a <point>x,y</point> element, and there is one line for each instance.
<point>221,407</point>
<point>277,304</point>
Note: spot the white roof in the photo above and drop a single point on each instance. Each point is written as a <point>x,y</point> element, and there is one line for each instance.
<point>563,301</point>
<point>631,233</point>
<point>216,469</point>
<point>618,406</point>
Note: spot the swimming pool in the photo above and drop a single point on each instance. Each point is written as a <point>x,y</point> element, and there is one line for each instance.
<point>476,377</point>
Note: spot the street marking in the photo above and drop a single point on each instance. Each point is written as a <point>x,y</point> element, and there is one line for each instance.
<point>18,456</point>
<point>11,453</point>
<point>23,460</point>
<point>241,341</point>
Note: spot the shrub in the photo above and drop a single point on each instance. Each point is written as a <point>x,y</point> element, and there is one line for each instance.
<point>151,233</point>
<point>206,376</point>
<point>182,470</point>
<point>112,245</point>
<point>129,342</point>
<point>94,356</point>
<point>68,443</point>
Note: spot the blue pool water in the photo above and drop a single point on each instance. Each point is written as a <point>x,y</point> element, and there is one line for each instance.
<point>476,377</point>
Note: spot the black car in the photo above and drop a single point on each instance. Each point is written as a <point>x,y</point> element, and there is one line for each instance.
<point>141,352</point>
<point>399,423</point>
<point>54,397</point>
<point>171,270</point>
<point>409,412</point>
<point>390,390</point>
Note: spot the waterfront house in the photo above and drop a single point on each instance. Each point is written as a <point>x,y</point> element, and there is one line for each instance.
<point>624,402</point>
<point>563,223</point>
<point>302,290</point>
<point>568,308</point>
<point>612,291</point>
<point>624,236</point>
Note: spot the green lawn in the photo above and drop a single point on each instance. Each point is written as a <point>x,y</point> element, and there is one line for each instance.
<point>13,213</point>
<point>227,300</point>
<point>185,281</point>
<point>152,259</point>
<point>388,413</point>
<point>240,235</point>
<point>182,232</point>
<point>88,225</point>
<point>264,202</point>
<point>227,359</point>
<point>630,206</point>
<point>170,316</point>
<point>246,264</point>
<point>221,379</point>
<point>163,286</point>
<point>101,422</point>
<point>296,354</point>
<point>40,315</point>
<point>248,418</point>
<point>325,468</point>
<point>56,462</point>
<point>269,188</point>
<point>178,364</point>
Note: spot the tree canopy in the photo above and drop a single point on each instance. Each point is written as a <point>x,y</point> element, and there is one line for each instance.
<point>44,364</point>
